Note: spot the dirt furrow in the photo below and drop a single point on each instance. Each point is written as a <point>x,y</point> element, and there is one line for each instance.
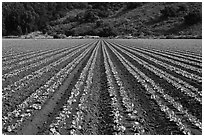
<point>101,87</point>
<point>35,58</point>
<point>169,87</point>
<point>39,121</point>
<point>153,111</point>
<point>196,124</point>
<point>21,91</point>
<point>132,122</point>
<point>40,96</point>
<point>63,123</point>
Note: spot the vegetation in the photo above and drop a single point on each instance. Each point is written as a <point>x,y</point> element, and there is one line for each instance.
<point>138,19</point>
<point>32,16</point>
<point>193,17</point>
<point>169,11</point>
<point>132,5</point>
<point>102,87</point>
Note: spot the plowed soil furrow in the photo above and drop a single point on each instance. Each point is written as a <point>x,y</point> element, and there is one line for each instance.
<point>17,97</point>
<point>79,122</point>
<point>29,47</point>
<point>26,70</point>
<point>192,68</point>
<point>21,59</point>
<point>40,71</point>
<point>40,95</point>
<point>191,57</point>
<point>187,116</point>
<point>104,103</point>
<point>70,82</point>
<point>155,118</point>
<point>131,112</point>
<point>187,54</point>
<point>193,82</point>
<point>40,119</point>
<point>15,55</point>
<point>101,87</point>
<point>68,116</point>
<point>36,54</point>
<point>46,68</point>
<point>171,90</point>
<point>184,59</point>
<point>181,50</point>
<point>91,122</point>
<point>186,84</point>
<point>10,102</point>
<point>37,58</point>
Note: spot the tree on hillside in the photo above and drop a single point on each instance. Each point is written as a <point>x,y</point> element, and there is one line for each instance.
<point>193,17</point>
<point>133,5</point>
<point>105,29</point>
<point>169,11</point>
<point>90,16</point>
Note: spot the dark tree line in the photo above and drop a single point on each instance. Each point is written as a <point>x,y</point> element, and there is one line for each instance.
<point>92,18</point>
<point>191,15</point>
<point>21,18</point>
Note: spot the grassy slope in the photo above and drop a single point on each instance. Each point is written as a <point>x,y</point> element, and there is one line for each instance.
<point>144,20</point>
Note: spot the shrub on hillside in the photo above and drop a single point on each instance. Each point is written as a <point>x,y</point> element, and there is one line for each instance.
<point>182,7</point>
<point>99,23</point>
<point>107,30</point>
<point>193,17</point>
<point>59,36</point>
<point>133,5</point>
<point>169,11</point>
<point>90,16</point>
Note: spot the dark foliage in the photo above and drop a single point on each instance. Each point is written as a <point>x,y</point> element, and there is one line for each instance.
<point>169,11</point>
<point>105,29</point>
<point>193,17</point>
<point>90,16</point>
<point>21,18</point>
<point>98,18</point>
<point>133,5</point>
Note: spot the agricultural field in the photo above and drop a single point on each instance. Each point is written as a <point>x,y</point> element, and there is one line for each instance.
<point>102,87</point>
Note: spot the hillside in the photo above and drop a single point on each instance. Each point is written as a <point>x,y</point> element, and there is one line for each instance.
<point>121,19</point>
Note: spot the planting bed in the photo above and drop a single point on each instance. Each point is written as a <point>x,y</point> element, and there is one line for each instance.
<point>101,87</point>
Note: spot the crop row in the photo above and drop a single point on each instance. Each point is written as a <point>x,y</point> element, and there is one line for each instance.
<point>133,122</point>
<point>33,57</point>
<point>24,87</point>
<point>60,121</point>
<point>169,67</point>
<point>168,51</point>
<point>16,54</point>
<point>38,53</point>
<point>17,71</point>
<point>37,74</point>
<point>170,78</point>
<point>188,54</point>
<point>28,47</point>
<point>101,87</point>
<point>34,65</point>
<point>161,74</point>
<point>79,120</point>
<point>158,89</point>
<point>179,63</point>
<point>175,57</point>
<point>186,66</point>
<point>37,99</point>
<point>118,118</point>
